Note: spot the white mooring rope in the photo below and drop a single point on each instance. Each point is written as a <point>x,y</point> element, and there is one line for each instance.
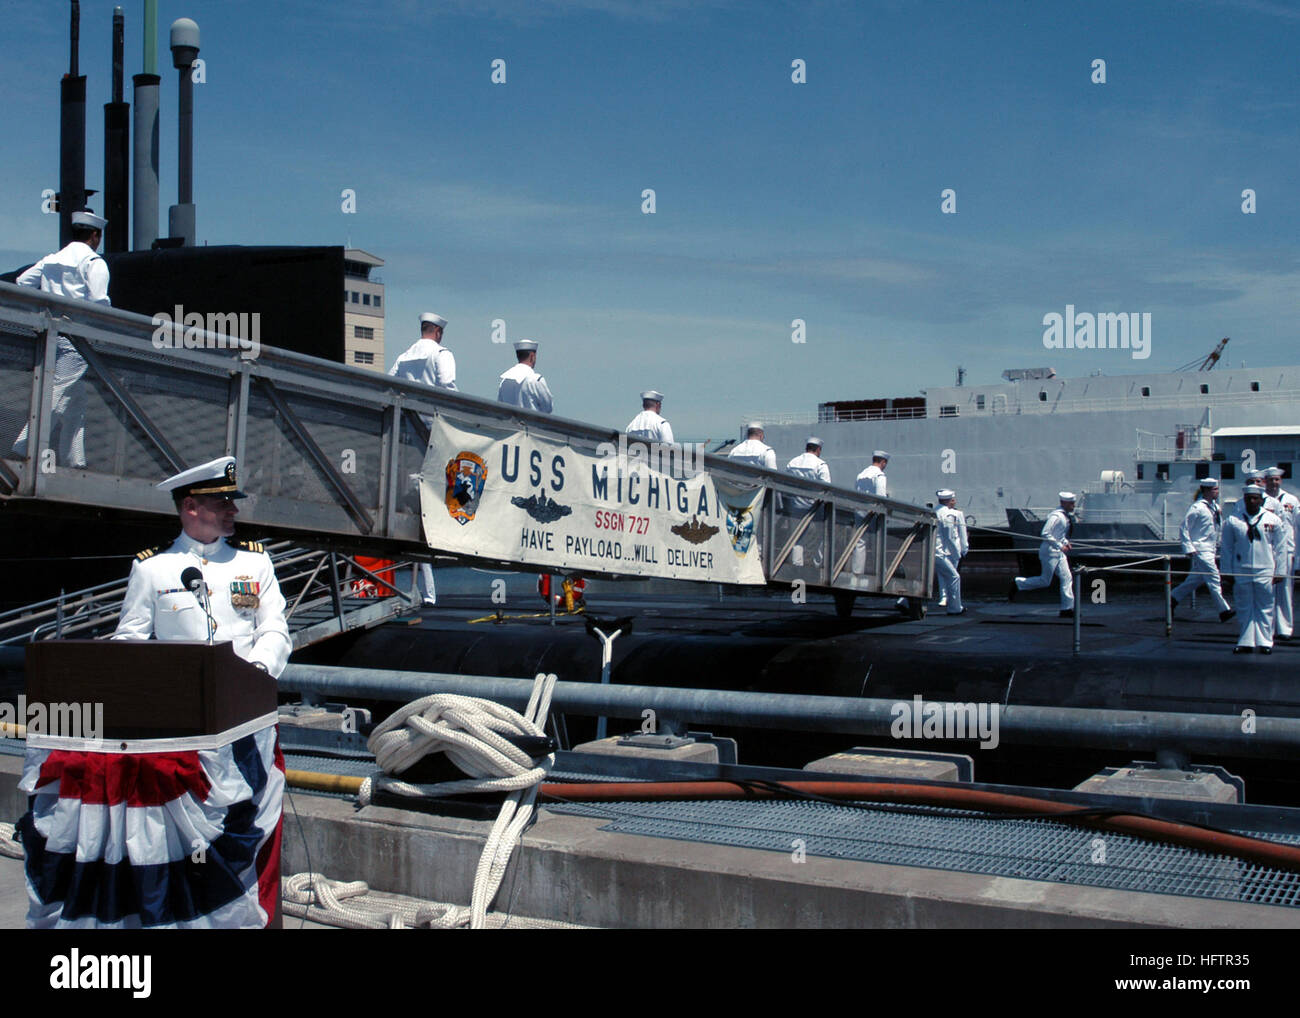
<point>9,847</point>
<point>471,732</point>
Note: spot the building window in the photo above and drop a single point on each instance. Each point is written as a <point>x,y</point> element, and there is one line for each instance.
<point>1146,390</point>
<point>365,299</point>
<point>1286,470</point>
<point>1042,395</point>
<point>355,297</point>
<point>948,411</point>
<point>363,357</point>
<point>979,402</point>
<point>378,300</point>
<point>1205,390</point>
<point>361,332</point>
<point>1162,471</point>
<point>1254,387</point>
<point>1202,470</point>
<point>1140,470</point>
<point>1228,472</point>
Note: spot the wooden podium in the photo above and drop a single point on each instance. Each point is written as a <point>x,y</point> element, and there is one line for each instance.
<point>151,689</point>
<point>156,690</point>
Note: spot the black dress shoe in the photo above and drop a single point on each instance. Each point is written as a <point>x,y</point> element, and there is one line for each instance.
<point>1282,638</point>
<point>1012,591</point>
<point>1243,650</point>
<point>1266,650</point>
<point>1230,613</point>
<point>1066,613</point>
<point>1173,604</point>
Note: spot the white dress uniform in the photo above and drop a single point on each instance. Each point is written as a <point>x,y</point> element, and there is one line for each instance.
<point>75,271</point>
<point>522,386</point>
<point>872,481</point>
<point>1254,549</point>
<point>428,362</point>
<point>754,452</point>
<point>811,466</point>
<point>242,590</point>
<point>1201,531</point>
<point>951,546</point>
<point>1056,532</point>
<point>650,427</point>
<point>1284,595</point>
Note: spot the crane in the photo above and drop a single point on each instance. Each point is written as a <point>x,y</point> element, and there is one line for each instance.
<point>1211,360</point>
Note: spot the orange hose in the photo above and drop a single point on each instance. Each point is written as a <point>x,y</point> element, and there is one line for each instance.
<point>1265,853</point>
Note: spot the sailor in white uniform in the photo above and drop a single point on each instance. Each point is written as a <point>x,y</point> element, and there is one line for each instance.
<point>951,546</point>
<point>1254,551</point>
<point>522,386</point>
<point>872,480</point>
<point>1056,534</point>
<point>753,450</point>
<point>75,271</point>
<point>1284,594</point>
<point>648,425</point>
<point>1201,531</point>
<point>243,594</point>
<point>429,362</point>
<point>810,465</point>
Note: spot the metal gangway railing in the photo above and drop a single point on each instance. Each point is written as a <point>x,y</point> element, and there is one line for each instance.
<point>330,453</point>
<point>326,593</point>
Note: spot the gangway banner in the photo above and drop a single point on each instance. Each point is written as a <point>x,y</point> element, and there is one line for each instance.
<point>629,509</point>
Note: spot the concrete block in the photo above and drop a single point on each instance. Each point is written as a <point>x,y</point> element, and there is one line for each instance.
<point>1160,784</point>
<point>694,752</point>
<point>863,762</point>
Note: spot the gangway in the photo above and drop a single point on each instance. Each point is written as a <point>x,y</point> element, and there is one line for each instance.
<point>329,453</point>
<point>326,593</point>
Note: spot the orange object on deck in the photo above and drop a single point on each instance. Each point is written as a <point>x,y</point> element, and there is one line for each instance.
<point>381,567</point>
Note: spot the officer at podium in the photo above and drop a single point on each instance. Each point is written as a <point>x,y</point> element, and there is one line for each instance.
<point>244,600</point>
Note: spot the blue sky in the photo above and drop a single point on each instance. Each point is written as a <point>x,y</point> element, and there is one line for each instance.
<point>774,200</point>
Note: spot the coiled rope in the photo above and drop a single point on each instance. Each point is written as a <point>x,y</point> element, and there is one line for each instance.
<point>8,846</point>
<point>471,732</point>
<point>351,905</point>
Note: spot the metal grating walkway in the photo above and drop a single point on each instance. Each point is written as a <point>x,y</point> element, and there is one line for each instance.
<point>972,843</point>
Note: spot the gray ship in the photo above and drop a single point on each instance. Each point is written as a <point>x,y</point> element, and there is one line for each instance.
<point>1132,446</point>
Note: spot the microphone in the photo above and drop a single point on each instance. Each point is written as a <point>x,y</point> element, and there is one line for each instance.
<point>192,578</point>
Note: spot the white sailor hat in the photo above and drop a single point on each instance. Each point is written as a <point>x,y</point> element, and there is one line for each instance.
<point>813,440</point>
<point>429,318</point>
<point>525,345</point>
<point>1066,496</point>
<point>216,477</point>
<point>1252,489</point>
<point>88,218</point>
<point>880,454</point>
<point>658,397</point>
<point>943,493</point>
<point>754,426</point>
<point>1209,482</point>
<point>1274,472</point>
